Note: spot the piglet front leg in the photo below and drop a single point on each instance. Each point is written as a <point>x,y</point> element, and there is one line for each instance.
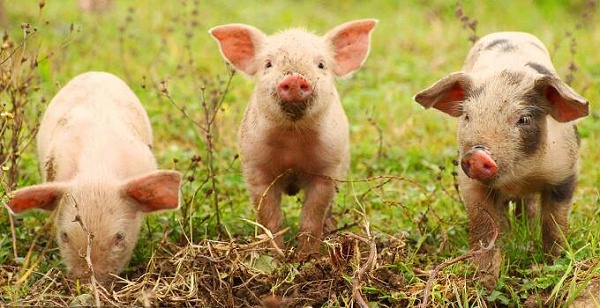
<point>266,199</point>
<point>487,220</point>
<point>320,193</point>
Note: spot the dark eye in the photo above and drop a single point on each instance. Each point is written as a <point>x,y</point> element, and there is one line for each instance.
<point>524,120</point>
<point>268,64</point>
<point>466,117</point>
<point>321,65</point>
<point>64,237</point>
<point>119,237</point>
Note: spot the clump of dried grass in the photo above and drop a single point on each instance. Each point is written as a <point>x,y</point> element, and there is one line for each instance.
<point>236,274</point>
<point>225,274</point>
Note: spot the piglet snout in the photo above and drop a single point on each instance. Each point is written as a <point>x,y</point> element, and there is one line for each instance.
<point>478,164</point>
<point>294,88</point>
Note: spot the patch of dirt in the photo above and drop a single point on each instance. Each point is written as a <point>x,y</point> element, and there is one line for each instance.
<point>589,296</point>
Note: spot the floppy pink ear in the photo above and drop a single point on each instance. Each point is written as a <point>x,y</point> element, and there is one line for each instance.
<point>238,44</point>
<point>566,104</point>
<point>43,196</point>
<point>158,190</point>
<point>351,42</point>
<point>447,94</point>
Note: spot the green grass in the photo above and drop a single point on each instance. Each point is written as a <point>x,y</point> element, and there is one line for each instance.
<point>399,189</point>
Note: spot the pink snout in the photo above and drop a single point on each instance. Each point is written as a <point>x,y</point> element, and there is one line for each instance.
<point>478,165</point>
<point>294,88</point>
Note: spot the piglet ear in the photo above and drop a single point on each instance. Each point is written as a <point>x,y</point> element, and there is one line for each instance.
<point>239,44</point>
<point>447,94</point>
<point>158,190</point>
<point>43,196</point>
<point>351,43</point>
<point>566,104</point>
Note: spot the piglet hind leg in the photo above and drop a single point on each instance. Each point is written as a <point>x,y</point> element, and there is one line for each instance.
<point>555,207</point>
<point>525,208</point>
<point>320,193</point>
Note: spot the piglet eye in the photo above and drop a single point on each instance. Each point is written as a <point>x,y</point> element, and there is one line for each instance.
<point>321,65</point>
<point>268,64</point>
<point>119,237</point>
<point>524,120</point>
<point>64,237</point>
<point>466,117</point>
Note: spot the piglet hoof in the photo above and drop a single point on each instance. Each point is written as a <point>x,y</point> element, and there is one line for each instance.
<point>488,265</point>
<point>330,225</point>
<point>488,280</point>
<point>551,255</point>
<point>308,248</point>
<point>552,250</point>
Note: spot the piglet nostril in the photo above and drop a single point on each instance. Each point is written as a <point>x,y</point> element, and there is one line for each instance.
<point>466,166</point>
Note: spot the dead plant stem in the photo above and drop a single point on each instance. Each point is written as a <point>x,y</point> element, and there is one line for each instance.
<point>14,234</point>
<point>358,277</point>
<point>88,253</point>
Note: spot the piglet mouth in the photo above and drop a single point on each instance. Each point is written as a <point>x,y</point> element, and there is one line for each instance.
<point>294,110</point>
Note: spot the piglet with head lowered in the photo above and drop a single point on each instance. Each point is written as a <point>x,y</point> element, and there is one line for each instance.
<point>516,138</point>
<point>94,143</point>
<point>294,134</point>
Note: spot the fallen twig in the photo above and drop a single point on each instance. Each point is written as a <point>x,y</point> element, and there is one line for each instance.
<point>271,237</point>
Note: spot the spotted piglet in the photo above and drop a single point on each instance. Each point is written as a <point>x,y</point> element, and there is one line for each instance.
<point>94,143</point>
<point>294,134</point>
<point>517,140</point>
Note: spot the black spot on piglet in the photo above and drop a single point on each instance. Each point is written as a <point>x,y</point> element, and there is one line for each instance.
<point>539,68</point>
<point>503,44</point>
<point>495,43</point>
<point>563,191</point>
